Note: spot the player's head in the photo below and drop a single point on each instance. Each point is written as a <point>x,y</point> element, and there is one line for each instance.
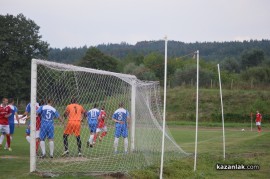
<point>42,102</point>
<point>4,101</point>
<point>73,100</point>
<point>10,101</point>
<point>121,105</point>
<point>49,101</point>
<point>103,107</point>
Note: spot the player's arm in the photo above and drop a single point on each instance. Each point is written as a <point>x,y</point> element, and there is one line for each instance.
<point>17,118</point>
<point>115,120</point>
<point>9,113</point>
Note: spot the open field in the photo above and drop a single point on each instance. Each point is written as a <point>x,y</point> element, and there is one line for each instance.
<point>241,148</point>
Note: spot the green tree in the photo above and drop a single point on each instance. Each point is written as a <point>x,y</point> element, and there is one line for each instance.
<point>19,43</point>
<point>252,58</point>
<point>94,58</point>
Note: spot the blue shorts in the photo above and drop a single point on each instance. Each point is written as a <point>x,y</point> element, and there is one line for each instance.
<point>46,130</point>
<point>11,128</point>
<point>92,127</point>
<point>27,131</point>
<point>121,130</point>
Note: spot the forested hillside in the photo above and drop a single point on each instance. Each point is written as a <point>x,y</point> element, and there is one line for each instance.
<point>208,50</point>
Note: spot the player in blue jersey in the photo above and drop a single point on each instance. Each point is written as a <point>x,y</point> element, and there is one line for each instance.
<point>92,118</point>
<point>121,119</point>
<point>11,118</point>
<point>48,114</point>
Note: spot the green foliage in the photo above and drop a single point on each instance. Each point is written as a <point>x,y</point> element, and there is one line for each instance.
<point>257,75</point>
<point>19,43</point>
<point>252,58</point>
<point>94,58</point>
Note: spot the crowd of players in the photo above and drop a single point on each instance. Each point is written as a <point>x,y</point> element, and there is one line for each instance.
<point>74,113</point>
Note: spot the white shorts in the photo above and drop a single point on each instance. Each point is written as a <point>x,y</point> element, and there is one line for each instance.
<point>4,129</point>
<point>103,129</point>
<point>258,123</point>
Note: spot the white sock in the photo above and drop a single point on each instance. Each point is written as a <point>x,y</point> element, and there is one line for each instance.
<point>1,139</point>
<point>10,142</point>
<point>91,139</point>
<point>42,146</point>
<point>51,143</point>
<point>115,144</point>
<point>28,138</point>
<point>126,144</point>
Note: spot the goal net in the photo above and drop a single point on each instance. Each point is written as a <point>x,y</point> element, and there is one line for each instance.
<point>62,82</point>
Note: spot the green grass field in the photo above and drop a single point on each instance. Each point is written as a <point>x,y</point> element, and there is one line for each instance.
<point>241,148</point>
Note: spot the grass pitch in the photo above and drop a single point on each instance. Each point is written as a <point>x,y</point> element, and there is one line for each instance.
<point>242,147</point>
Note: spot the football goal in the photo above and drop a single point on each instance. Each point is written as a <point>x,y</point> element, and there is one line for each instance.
<point>62,82</point>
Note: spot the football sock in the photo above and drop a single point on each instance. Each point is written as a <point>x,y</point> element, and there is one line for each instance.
<point>51,143</point>
<point>1,139</point>
<point>42,146</point>
<point>8,140</point>
<point>126,144</point>
<point>116,144</point>
<point>65,137</point>
<point>28,138</point>
<point>79,143</point>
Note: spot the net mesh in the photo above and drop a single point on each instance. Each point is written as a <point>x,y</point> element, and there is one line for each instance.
<point>62,82</point>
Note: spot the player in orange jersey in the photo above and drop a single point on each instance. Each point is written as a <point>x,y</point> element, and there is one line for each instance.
<point>75,114</point>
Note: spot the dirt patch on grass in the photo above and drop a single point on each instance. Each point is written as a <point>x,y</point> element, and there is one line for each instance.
<point>70,159</point>
<point>9,157</point>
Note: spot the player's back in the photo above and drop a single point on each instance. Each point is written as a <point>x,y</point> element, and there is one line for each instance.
<point>13,111</point>
<point>4,111</point>
<point>75,112</point>
<point>121,114</point>
<point>93,114</point>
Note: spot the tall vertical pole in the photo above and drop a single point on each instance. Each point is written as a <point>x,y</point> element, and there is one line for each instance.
<point>197,112</point>
<point>221,111</point>
<point>33,116</point>
<point>133,114</point>
<point>164,109</point>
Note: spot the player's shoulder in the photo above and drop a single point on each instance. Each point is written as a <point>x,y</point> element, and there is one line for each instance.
<point>48,107</point>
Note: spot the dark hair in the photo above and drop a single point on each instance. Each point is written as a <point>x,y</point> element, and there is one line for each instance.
<point>49,101</point>
<point>121,104</point>
<point>95,105</point>
<point>10,100</point>
<point>103,107</point>
<point>73,100</point>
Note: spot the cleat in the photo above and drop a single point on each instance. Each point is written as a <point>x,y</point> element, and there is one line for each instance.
<point>65,153</point>
<point>51,156</point>
<point>9,149</point>
<point>100,138</point>
<point>5,148</point>
<point>42,156</point>
<point>87,144</point>
<point>91,145</point>
<point>94,143</point>
<point>79,154</point>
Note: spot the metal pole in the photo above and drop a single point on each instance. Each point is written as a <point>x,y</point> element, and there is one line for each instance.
<point>222,113</point>
<point>33,116</point>
<point>164,109</point>
<point>197,112</point>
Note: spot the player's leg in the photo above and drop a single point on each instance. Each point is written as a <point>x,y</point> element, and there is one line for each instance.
<point>67,131</point>
<point>6,130</point>
<point>11,132</point>
<point>42,136</point>
<point>77,132</point>
<point>37,140</point>
<point>116,138</point>
<point>104,133</point>
<point>97,134</point>
<point>27,134</point>
<point>93,128</point>
<point>125,136</point>
<point>51,137</point>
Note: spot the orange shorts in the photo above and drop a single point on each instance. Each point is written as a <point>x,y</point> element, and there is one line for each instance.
<point>73,128</point>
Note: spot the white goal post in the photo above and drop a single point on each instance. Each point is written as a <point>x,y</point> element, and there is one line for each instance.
<point>61,82</point>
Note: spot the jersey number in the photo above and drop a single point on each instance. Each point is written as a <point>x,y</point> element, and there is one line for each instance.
<point>48,114</point>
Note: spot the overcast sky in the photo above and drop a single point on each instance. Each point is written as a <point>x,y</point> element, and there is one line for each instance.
<point>74,23</point>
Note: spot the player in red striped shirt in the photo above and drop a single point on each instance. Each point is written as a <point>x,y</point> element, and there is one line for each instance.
<point>101,125</point>
<point>259,121</point>
<point>5,112</point>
